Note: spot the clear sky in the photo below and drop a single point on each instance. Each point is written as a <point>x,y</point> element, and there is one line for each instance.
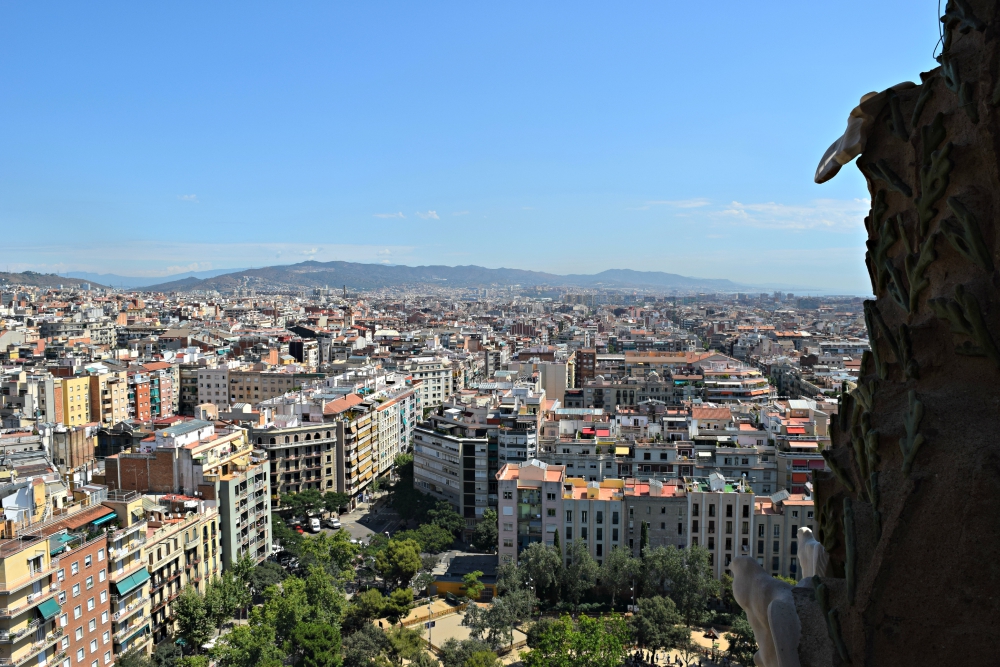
<point>151,138</point>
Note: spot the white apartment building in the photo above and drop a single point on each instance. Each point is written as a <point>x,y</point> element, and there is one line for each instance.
<point>435,376</point>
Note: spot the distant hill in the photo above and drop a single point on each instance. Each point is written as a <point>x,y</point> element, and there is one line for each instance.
<point>130,282</point>
<point>373,276</point>
<point>34,279</point>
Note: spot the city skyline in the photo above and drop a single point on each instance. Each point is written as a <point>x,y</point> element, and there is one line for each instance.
<point>149,142</point>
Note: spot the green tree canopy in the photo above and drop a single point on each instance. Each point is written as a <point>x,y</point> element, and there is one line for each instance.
<point>398,562</point>
<point>658,624</point>
<point>193,622</point>
<point>494,623</point>
<point>431,537</point>
<point>580,575</point>
<point>485,536</point>
<point>542,565</point>
<point>368,647</point>
<point>316,645</point>
<point>444,515</point>
<point>249,646</point>
<point>592,642</point>
<point>455,653</point>
<point>684,575</point>
<point>742,644</point>
<point>266,574</point>
<point>473,587</point>
<point>618,572</point>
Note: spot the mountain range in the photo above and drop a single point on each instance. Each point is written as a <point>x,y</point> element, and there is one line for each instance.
<point>131,282</point>
<point>359,276</point>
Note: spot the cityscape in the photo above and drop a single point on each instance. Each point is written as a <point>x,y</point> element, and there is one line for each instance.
<point>498,337</point>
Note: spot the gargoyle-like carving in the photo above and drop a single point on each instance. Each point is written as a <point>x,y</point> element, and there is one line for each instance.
<point>882,171</point>
<point>770,609</point>
<point>812,556</point>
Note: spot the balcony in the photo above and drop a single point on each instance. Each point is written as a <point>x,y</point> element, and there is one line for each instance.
<point>10,636</point>
<point>132,607</point>
<point>33,600</point>
<point>34,650</point>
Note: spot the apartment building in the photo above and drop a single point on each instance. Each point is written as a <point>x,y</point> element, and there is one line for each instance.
<point>300,456</point>
<point>778,519</point>
<point>450,462</point>
<point>254,386</point>
<point>530,505</point>
<point>109,397</point>
<point>217,464</point>
<point>213,386</point>
<point>85,599</point>
<point>663,507</point>
<point>140,407</point>
<point>75,400</point>
<point>30,631</point>
<point>721,515</point>
<point>183,547</point>
<point>128,575</point>
<point>435,376</point>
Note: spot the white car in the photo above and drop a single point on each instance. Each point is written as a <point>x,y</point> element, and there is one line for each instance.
<point>333,524</point>
<point>314,525</point>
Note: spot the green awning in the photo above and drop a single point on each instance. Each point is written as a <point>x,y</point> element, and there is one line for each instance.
<point>133,581</point>
<point>129,638</point>
<point>104,519</point>
<point>49,608</point>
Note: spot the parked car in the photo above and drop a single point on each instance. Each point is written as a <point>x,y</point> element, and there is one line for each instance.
<point>314,525</point>
<point>333,524</point>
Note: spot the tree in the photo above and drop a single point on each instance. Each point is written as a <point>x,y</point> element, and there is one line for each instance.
<point>484,537</point>
<point>367,648</point>
<point>334,501</point>
<point>431,537</point>
<point>365,607</point>
<point>618,572</point>
<point>542,565</point>
<point>555,543</point>
<point>405,644</point>
<point>473,587</point>
<point>316,645</point>
<point>509,578</point>
<point>399,602</point>
<point>249,646</point>
<point>483,659</point>
<point>325,601</point>
<point>134,657</point>
<point>398,562</point>
<point>285,608</point>
<point>306,501</point>
<point>444,515</point>
<point>742,643</point>
<point>658,624</point>
<point>193,623</point>
<point>166,654</point>
<point>684,575</point>
<point>592,642</point>
<point>580,575</point>
<point>243,568</point>
<point>494,623</point>
<point>266,574</point>
<point>455,653</point>
<point>224,596</point>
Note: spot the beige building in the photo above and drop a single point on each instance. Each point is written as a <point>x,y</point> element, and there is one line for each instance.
<point>721,513</point>
<point>76,400</point>
<point>109,397</point>
<point>778,519</point>
<point>29,590</point>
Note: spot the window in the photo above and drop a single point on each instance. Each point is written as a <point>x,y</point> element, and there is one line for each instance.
<point>90,604</point>
<point>649,509</point>
<point>90,583</point>
<point>100,555</point>
<point>775,563</point>
<point>77,611</point>
<point>711,543</point>
<point>663,525</point>
<point>729,510</point>
<point>694,526</point>
<point>645,456</point>
<point>777,531</point>
<point>104,620</point>
<point>93,645</point>
<point>729,544</point>
<point>614,534</point>
<point>600,517</point>
<point>92,625</point>
<point>88,561</point>
<point>508,527</point>
<point>63,620</point>
<point>663,510</point>
<point>746,528</point>
<point>711,527</point>
<point>508,495</point>
<point>79,655</point>
<point>508,542</point>
<point>62,597</point>
<point>729,528</point>
<point>569,533</point>
<point>101,575</point>
<point>75,568</point>
<point>680,529</point>
<point>795,514</point>
<point>746,511</point>
<point>107,656</point>
<point>760,530</point>
<point>61,575</point>
<point>583,516</point>
<point>694,509</point>
<point>78,634</point>
<point>776,547</point>
<point>550,511</point>
<point>76,590</point>
<point>600,534</point>
<point>711,510</point>
<point>583,533</point>
<point>550,496</point>
<point>569,516</point>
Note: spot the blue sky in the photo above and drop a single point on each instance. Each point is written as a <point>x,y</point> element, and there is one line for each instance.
<point>564,137</point>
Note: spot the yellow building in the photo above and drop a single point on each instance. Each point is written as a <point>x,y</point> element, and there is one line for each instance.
<point>75,400</point>
<point>127,572</point>
<point>29,609</point>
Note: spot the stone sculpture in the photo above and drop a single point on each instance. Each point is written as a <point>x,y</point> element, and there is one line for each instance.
<point>904,511</point>
<point>812,556</point>
<point>770,608</point>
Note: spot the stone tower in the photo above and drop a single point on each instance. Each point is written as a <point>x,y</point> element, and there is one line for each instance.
<point>911,514</point>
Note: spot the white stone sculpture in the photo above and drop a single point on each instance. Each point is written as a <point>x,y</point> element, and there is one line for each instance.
<point>770,609</point>
<point>812,557</point>
<point>852,143</point>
